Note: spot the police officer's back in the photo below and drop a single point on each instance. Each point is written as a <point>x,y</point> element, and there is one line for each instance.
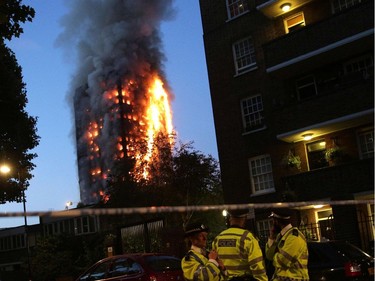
<point>239,250</point>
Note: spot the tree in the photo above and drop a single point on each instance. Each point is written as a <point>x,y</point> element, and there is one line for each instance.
<point>184,172</point>
<point>65,255</point>
<point>18,133</point>
<point>12,13</point>
<point>179,175</point>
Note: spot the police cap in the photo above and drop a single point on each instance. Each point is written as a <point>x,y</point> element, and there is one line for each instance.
<point>239,213</point>
<point>194,228</point>
<point>282,214</point>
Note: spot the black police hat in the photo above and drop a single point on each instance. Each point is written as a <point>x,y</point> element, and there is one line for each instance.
<point>194,228</point>
<point>283,214</point>
<point>238,213</point>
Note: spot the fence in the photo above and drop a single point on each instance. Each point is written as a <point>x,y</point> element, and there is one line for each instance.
<point>326,230</point>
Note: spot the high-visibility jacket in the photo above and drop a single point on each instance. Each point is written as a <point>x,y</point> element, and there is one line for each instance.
<point>240,252</point>
<point>289,254</point>
<point>197,267</point>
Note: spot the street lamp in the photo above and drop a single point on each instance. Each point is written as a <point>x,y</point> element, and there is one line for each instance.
<point>68,204</point>
<point>5,169</point>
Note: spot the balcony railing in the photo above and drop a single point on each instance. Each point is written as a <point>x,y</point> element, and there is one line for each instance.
<point>347,178</point>
<point>321,34</point>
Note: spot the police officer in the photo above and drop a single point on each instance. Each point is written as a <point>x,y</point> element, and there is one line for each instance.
<point>287,249</point>
<point>239,250</point>
<point>198,265</point>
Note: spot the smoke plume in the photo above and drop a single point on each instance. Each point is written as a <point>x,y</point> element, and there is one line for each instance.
<point>112,41</point>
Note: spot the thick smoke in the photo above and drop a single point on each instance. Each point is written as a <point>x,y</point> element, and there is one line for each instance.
<point>111,40</point>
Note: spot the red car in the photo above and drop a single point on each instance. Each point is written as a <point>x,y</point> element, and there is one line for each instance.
<point>135,267</point>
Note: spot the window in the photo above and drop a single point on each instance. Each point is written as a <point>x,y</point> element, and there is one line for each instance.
<point>236,8</point>
<point>366,144</point>
<point>12,242</point>
<point>99,272</point>
<point>339,5</point>
<point>263,228</point>
<point>124,266</point>
<point>294,22</point>
<point>261,174</point>
<point>244,55</point>
<point>324,218</point>
<point>316,154</point>
<point>84,225</point>
<point>363,64</point>
<point>252,113</point>
<point>306,87</point>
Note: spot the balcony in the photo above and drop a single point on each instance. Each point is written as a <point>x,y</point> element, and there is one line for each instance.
<point>350,29</point>
<point>331,182</point>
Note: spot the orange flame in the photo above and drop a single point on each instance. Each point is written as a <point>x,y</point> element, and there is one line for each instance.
<point>148,118</point>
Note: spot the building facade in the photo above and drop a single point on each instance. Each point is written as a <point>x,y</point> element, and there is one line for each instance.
<point>292,93</point>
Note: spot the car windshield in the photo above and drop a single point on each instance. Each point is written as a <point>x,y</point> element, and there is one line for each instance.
<point>162,263</point>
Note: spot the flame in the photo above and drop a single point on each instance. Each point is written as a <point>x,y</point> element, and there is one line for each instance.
<point>158,117</point>
<point>143,119</point>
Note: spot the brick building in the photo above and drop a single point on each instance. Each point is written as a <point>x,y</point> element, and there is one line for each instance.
<point>293,102</point>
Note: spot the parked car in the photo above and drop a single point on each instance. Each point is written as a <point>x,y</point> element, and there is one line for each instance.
<point>135,267</point>
<point>339,261</point>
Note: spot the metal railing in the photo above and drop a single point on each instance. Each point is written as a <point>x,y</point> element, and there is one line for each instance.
<point>325,230</point>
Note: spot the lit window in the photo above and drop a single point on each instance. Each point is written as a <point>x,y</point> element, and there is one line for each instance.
<point>252,113</point>
<point>261,175</point>
<point>316,154</point>
<point>306,87</point>
<point>244,55</point>
<point>339,5</point>
<point>236,8</point>
<point>294,22</point>
<point>366,144</point>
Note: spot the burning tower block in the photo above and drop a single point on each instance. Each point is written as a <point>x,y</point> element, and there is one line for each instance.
<point>123,122</point>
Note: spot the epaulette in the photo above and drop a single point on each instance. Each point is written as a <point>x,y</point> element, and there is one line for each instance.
<point>295,232</point>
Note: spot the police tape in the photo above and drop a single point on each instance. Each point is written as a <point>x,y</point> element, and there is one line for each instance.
<point>179,209</point>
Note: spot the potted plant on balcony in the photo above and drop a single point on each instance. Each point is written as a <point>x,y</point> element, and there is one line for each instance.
<point>333,155</point>
<point>292,161</point>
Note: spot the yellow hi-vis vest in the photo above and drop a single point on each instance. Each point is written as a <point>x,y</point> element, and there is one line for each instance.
<point>240,252</point>
<point>197,267</point>
<point>289,254</point>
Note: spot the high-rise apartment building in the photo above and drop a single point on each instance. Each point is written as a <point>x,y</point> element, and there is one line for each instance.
<point>292,89</point>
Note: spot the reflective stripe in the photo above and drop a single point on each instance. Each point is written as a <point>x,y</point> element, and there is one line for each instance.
<point>202,269</point>
<point>194,255</point>
<point>211,269</point>
<point>287,256</point>
<point>237,267</point>
<point>256,260</point>
<point>242,244</point>
<point>229,257</point>
<point>204,272</point>
<point>258,271</point>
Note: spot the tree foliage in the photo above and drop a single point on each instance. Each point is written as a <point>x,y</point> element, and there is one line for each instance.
<point>65,255</point>
<point>12,14</point>
<point>180,175</point>
<point>18,133</point>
